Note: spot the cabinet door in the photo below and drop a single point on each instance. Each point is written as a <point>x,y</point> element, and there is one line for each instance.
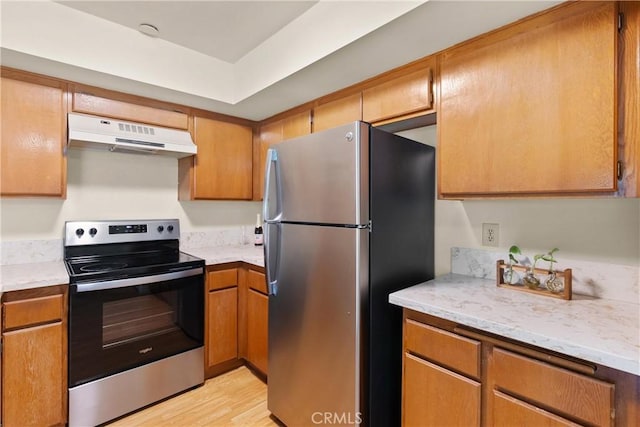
<point>33,138</point>
<point>296,125</point>
<point>257,329</point>
<point>532,109</point>
<point>223,326</point>
<point>223,165</point>
<point>508,411</point>
<point>434,396</point>
<point>338,112</point>
<point>407,96</point>
<point>33,372</point>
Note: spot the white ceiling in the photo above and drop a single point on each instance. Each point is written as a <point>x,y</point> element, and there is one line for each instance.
<point>226,30</point>
<point>248,59</point>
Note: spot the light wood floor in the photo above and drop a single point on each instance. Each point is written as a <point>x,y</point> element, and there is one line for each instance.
<point>237,398</point>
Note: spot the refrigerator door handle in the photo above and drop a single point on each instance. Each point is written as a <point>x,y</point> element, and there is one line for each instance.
<point>272,209</point>
<point>272,256</point>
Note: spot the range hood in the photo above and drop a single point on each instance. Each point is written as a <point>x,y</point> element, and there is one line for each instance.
<point>118,136</point>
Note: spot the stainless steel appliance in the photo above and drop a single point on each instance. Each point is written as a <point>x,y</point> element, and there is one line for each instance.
<point>349,216</point>
<point>136,317</point>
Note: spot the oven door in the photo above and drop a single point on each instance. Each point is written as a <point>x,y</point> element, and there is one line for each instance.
<point>120,324</point>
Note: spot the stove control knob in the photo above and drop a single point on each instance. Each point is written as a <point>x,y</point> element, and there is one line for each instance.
<point>79,232</point>
<point>160,229</point>
<point>93,232</point>
<point>170,228</point>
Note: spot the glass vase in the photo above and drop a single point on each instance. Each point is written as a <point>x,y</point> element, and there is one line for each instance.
<point>510,276</point>
<point>530,280</point>
<point>553,284</point>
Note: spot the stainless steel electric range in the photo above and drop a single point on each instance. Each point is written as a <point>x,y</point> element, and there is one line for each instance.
<point>136,317</point>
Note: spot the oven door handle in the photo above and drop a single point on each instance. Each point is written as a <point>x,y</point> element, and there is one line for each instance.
<point>135,281</point>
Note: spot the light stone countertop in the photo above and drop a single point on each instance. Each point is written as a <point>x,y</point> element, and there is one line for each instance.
<point>35,275</point>
<point>221,254</point>
<point>597,330</point>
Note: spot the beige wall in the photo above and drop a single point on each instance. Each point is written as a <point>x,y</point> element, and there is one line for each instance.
<point>606,230</point>
<point>103,185</point>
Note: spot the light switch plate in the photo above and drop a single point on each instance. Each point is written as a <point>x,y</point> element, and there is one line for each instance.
<point>490,234</point>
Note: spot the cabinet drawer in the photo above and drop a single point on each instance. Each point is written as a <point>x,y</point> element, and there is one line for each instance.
<point>508,411</point>
<point>222,279</point>
<point>257,281</point>
<point>565,392</point>
<point>33,311</point>
<point>453,351</point>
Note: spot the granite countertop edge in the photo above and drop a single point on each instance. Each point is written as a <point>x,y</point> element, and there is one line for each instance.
<point>596,330</point>
<point>17,277</point>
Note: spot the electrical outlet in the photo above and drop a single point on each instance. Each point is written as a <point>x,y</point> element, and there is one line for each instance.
<point>490,234</point>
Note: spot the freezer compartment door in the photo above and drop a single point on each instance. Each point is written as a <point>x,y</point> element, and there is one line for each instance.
<point>320,178</point>
<point>314,325</point>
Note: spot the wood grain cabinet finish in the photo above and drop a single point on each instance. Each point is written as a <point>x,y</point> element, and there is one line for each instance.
<point>257,330</point>
<point>33,137</point>
<point>435,396</point>
<point>102,103</point>
<point>516,384</point>
<point>531,109</point>
<point>34,358</point>
<point>408,95</point>
<point>223,167</point>
<point>271,133</point>
<point>582,398</point>
<point>337,112</point>
<point>221,319</point>
<point>436,388</point>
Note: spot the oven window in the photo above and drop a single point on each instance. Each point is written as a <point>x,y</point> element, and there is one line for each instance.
<point>138,318</point>
<point>113,330</point>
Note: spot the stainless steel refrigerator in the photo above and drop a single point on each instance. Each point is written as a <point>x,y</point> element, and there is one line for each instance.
<point>348,218</point>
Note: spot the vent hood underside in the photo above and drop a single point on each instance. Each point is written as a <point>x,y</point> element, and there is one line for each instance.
<point>101,133</point>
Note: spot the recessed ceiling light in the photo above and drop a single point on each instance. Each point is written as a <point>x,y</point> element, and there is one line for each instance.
<point>148,29</point>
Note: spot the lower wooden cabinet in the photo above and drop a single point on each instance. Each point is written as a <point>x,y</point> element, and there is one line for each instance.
<point>437,396</point>
<point>236,329</point>
<point>34,357</point>
<point>513,384</point>
<point>257,329</point>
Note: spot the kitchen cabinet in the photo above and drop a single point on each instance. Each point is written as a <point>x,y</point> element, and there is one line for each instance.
<point>501,382</point>
<point>270,133</point>
<point>629,102</point>
<point>34,357</point>
<point>257,321</point>
<point>438,365</point>
<point>223,167</point>
<point>221,328</point>
<point>542,122</point>
<point>337,112</point>
<point>408,94</point>
<point>34,134</point>
<point>101,102</point>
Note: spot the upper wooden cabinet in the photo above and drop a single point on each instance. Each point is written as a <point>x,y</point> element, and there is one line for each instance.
<point>34,134</point>
<point>337,112</point>
<point>222,169</point>
<point>531,109</point>
<point>408,95</point>
<point>629,103</point>
<point>270,133</point>
<point>122,106</point>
